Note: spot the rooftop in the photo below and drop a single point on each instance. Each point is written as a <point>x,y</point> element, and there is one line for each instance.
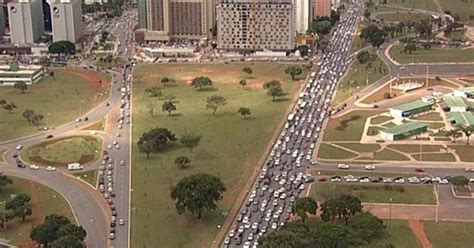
<point>461,118</point>
<point>404,128</point>
<point>467,89</point>
<point>454,101</point>
<point>412,105</point>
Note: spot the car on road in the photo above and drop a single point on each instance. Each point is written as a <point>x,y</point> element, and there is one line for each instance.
<point>112,235</point>
<point>121,222</point>
<point>34,167</point>
<point>419,170</point>
<point>49,136</point>
<point>15,155</point>
<point>343,166</point>
<point>469,169</point>
<point>370,167</point>
<point>19,147</point>
<point>50,168</point>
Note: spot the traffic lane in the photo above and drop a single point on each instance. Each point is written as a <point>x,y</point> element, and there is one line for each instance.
<point>88,212</point>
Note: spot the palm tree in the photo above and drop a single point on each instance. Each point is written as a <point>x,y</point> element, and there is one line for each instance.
<point>467,131</point>
<point>454,133</point>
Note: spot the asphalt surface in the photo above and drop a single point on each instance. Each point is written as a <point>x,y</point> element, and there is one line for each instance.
<point>270,201</point>
<point>88,204</point>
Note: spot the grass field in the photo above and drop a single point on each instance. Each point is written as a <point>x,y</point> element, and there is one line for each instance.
<point>348,127</point>
<point>416,148</point>
<point>60,152</point>
<point>380,119</point>
<point>357,42</point>
<point>434,55</point>
<point>445,157</point>
<point>413,4</point>
<point>89,176</point>
<point>44,201</point>
<point>373,131</point>
<point>403,17</point>
<point>399,234</point>
<point>433,116</point>
<point>387,154</point>
<point>360,147</point>
<point>449,234</point>
<point>359,77</point>
<point>380,193</point>
<point>464,151</point>
<point>59,100</point>
<point>458,7</point>
<point>230,147</point>
<point>327,151</point>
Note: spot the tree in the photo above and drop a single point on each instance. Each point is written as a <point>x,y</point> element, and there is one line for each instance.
<point>366,225</point>
<point>70,229</point>
<point>201,82</point>
<point>243,111</point>
<point>305,205</point>
<point>190,141</point>
<point>248,70</point>
<point>5,217</point>
<point>275,91</point>
<point>151,108</point>
<point>20,205</point>
<point>68,241</point>
<point>243,83</point>
<point>21,86</point>
<point>168,106</point>
<point>166,80</point>
<point>410,47</point>
<point>454,133</point>
<point>28,115</point>
<point>4,181</point>
<point>37,120</point>
<point>270,84</point>
<point>364,57</point>
<point>154,91</point>
<point>214,102</point>
<point>155,140</point>
<point>347,206</point>
<point>48,231</point>
<point>293,70</point>
<point>282,239</point>
<point>63,46</point>
<point>197,193</point>
<point>3,102</point>
<point>182,162</point>
<point>322,27</point>
<point>375,35</point>
<point>335,235</point>
<point>467,131</point>
<point>460,181</point>
<point>9,107</point>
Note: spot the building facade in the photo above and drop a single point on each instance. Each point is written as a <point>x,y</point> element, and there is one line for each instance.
<point>321,8</point>
<point>255,25</point>
<point>302,15</point>
<point>169,19</point>
<point>11,74</point>
<point>66,18</point>
<point>26,20</point>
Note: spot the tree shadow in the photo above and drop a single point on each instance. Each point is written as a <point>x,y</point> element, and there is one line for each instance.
<point>208,89</point>
<point>175,115</point>
<point>282,99</point>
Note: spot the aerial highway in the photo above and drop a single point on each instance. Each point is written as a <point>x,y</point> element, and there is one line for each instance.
<point>281,180</point>
<point>90,208</point>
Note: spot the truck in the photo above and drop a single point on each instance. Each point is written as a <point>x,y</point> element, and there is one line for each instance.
<point>74,166</point>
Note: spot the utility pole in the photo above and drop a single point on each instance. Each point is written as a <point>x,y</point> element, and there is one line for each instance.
<point>427,71</point>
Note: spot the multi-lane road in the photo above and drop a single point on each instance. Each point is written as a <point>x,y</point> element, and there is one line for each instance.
<point>89,206</point>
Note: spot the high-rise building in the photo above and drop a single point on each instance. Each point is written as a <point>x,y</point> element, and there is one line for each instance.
<point>255,25</point>
<point>302,17</point>
<point>168,19</point>
<point>26,20</point>
<point>321,8</point>
<point>142,13</point>
<point>66,18</point>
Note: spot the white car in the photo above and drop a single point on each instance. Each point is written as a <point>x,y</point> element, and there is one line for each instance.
<point>364,180</point>
<point>19,147</point>
<point>469,169</point>
<point>121,222</point>
<point>122,163</point>
<point>401,180</point>
<point>343,166</point>
<point>34,167</point>
<point>50,168</point>
<point>444,181</point>
<point>370,167</point>
<point>274,225</point>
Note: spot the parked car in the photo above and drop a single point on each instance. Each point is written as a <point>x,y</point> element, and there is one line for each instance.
<point>343,166</point>
<point>370,167</point>
<point>419,170</point>
<point>50,168</point>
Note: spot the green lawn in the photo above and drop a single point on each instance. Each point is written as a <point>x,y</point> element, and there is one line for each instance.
<point>433,116</point>
<point>357,42</point>
<point>373,131</point>
<point>416,148</point>
<point>380,119</point>
<point>378,193</point>
<point>399,234</point>
<point>230,148</point>
<point>445,157</point>
<point>435,55</point>
<point>458,7</point>
<point>89,176</point>
<point>403,17</point>
<point>44,200</point>
<point>327,151</point>
<point>361,173</point>
<point>60,99</point>
<point>449,233</point>
<point>387,154</point>
<point>348,127</point>
<point>360,147</point>
<point>60,152</point>
<point>359,77</point>
<point>464,151</point>
<point>413,4</point>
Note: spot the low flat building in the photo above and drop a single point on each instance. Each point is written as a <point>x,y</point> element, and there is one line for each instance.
<point>455,104</point>
<point>168,52</point>
<point>461,119</point>
<point>410,108</point>
<point>467,92</point>
<point>402,131</point>
<point>11,74</point>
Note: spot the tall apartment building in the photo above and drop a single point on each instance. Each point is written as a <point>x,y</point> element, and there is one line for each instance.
<point>302,15</point>
<point>66,18</point>
<point>142,13</point>
<point>321,8</point>
<point>168,19</point>
<point>255,25</point>
<point>26,20</point>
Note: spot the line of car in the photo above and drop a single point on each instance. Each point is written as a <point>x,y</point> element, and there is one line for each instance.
<point>282,178</point>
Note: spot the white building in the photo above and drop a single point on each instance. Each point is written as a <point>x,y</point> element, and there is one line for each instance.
<point>335,4</point>
<point>302,20</point>
<point>11,74</point>
<point>26,20</point>
<point>95,1</point>
<point>66,19</point>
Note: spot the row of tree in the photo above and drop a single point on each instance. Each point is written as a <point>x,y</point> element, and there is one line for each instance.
<point>33,118</point>
<point>16,207</point>
<point>59,232</point>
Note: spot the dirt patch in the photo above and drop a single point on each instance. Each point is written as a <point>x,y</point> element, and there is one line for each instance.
<point>49,142</point>
<point>207,71</point>
<point>85,159</point>
<point>187,80</point>
<point>419,230</point>
<point>92,78</point>
<point>255,84</point>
